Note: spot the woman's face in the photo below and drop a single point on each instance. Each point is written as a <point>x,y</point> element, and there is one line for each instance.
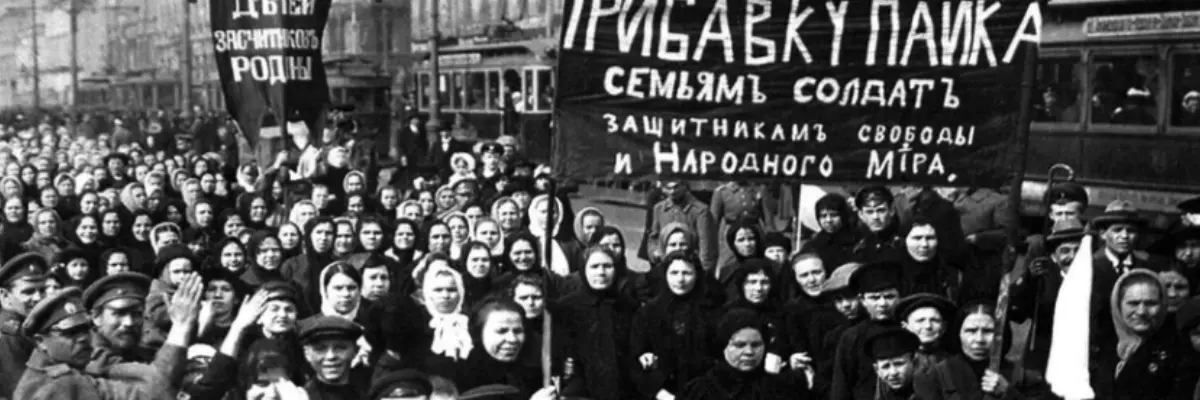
<point>428,206</point>
<point>117,263</point>
<point>233,225</point>
<point>922,243</point>
<point>322,237</point>
<point>178,270</point>
<point>487,232</point>
<point>1178,289</point>
<point>305,213</point>
<point>388,198</point>
<point>439,239</point>
<point>376,283</point>
<point>208,183</point>
<point>977,333</point>
<point>111,224</point>
<point>174,214</point>
<point>479,262</point>
<point>258,210</point>
<point>191,190</point>
<point>139,197</point>
<point>459,230</point>
<point>1140,307</point>
<point>77,269</point>
<point>204,214</point>
<point>445,199</point>
<point>87,230</point>
<point>11,189</point>
<point>404,238</point>
<point>522,255</point>
<point>745,242</point>
<point>47,225</point>
<point>531,299</point>
<point>28,175</point>
<point>810,274</point>
<point>66,187</point>
<point>268,255</point>
<point>343,292</point>
<point>927,323</point>
<point>681,277</point>
<point>503,335</point>
<point>412,212</point>
<point>474,213</point>
<point>443,292</point>
<point>14,210</point>
<point>221,295</point>
<point>49,198</point>
<point>600,271</point>
<point>290,236</point>
<point>509,216</point>
<point>613,244</point>
<point>354,184</point>
<point>371,236</point>
<point>343,241</point>
<point>43,179</point>
<point>677,241</point>
<point>756,287</point>
<point>232,257</point>
<point>141,227</point>
<point>279,316</point>
<point>745,350</point>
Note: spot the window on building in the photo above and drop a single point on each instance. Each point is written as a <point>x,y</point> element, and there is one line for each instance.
<point>529,91</point>
<point>1061,83</point>
<point>1185,90</point>
<point>1123,90</point>
<point>443,89</point>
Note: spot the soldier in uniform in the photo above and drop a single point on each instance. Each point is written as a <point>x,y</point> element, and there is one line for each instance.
<point>23,281</point>
<point>330,344</point>
<point>732,202</point>
<point>116,304</point>
<point>891,350</point>
<point>61,329</point>
<point>876,210</point>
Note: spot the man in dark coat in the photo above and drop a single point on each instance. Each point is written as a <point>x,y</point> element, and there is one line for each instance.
<point>331,341</point>
<point>891,351</point>
<point>1034,293</point>
<point>877,285</point>
<point>1120,228</point>
<point>441,151</point>
<point>24,285</point>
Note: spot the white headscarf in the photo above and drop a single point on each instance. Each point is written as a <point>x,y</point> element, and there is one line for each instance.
<point>451,337</point>
<point>327,309</point>
<point>555,256</point>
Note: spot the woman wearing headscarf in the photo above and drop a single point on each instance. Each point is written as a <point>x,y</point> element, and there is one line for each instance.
<point>596,323</point>
<point>47,238</point>
<point>1143,362</point>
<point>740,342</point>
<point>405,248</point>
<point>460,232</point>
<point>478,270</point>
<point>487,231</point>
<point>926,269</point>
<point>132,199</point>
<point>507,212</point>
<point>138,242</point>
<point>173,210</point>
<point>522,258</point>
<point>751,287</point>
<point>264,258</point>
<point>341,296</point>
<point>112,229</point>
<point>502,353</point>
<point>83,233</point>
<point>835,242</point>
<point>291,237</point>
<point>672,333</point>
<point>745,240</point>
<point>631,284</point>
<point>441,338</point>
<point>254,208</point>
<point>15,228</point>
<point>563,255</point>
<point>966,374</point>
<point>304,269</point>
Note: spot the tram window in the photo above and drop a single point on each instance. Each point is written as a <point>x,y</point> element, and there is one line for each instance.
<point>457,90</point>
<point>1123,90</point>
<point>1059,98</point>
<point>424,88</point>
<point>444,90</point>
<point>476,85</point>
<point>529,92</point>
<point>546,89</point>
<point>493,90</point>
<point>1185,90</point>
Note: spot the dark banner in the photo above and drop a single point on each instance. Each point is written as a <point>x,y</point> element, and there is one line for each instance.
<point>849,91</point>
<point>268,53</point>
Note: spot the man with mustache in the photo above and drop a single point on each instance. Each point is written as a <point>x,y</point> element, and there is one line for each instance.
<point>116,304</point>
<point>330,344</point>
<point>891,351</point>
<point>61,329</point>
<point>22,286</point>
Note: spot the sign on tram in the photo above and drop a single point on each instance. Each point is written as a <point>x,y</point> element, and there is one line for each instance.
<point>850,91</point>
<point>268,54</point>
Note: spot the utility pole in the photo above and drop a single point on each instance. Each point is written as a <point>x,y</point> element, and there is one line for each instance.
<point>435,102</point>
<point>74,13</point>
<point>185,61</point>
<point>37,78</point>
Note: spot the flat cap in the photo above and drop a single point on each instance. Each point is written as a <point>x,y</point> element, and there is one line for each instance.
<point>322,327</point>
<point>891,342</point>
<point>281,290</point>
<point>876,276</point>
<point>873,194</point>
<point>28,267</point>
<point>914,302</point>
<point>174,252</point>
<point>840,278</point>
<point>62,309</point>
<point>124,285</point>
<point>407,383</point>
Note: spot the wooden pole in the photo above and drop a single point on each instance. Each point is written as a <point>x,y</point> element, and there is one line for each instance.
<point>799,239</point>
<point>547,241</point>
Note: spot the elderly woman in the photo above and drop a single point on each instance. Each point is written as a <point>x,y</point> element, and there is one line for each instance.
<point>739,373</point>
<point>967,375</point>
<point>596,323</point>
<point>1143,362</point>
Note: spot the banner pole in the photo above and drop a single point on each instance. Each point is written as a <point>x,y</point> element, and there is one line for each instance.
<point>547,241</point>
<point>799,239</point>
